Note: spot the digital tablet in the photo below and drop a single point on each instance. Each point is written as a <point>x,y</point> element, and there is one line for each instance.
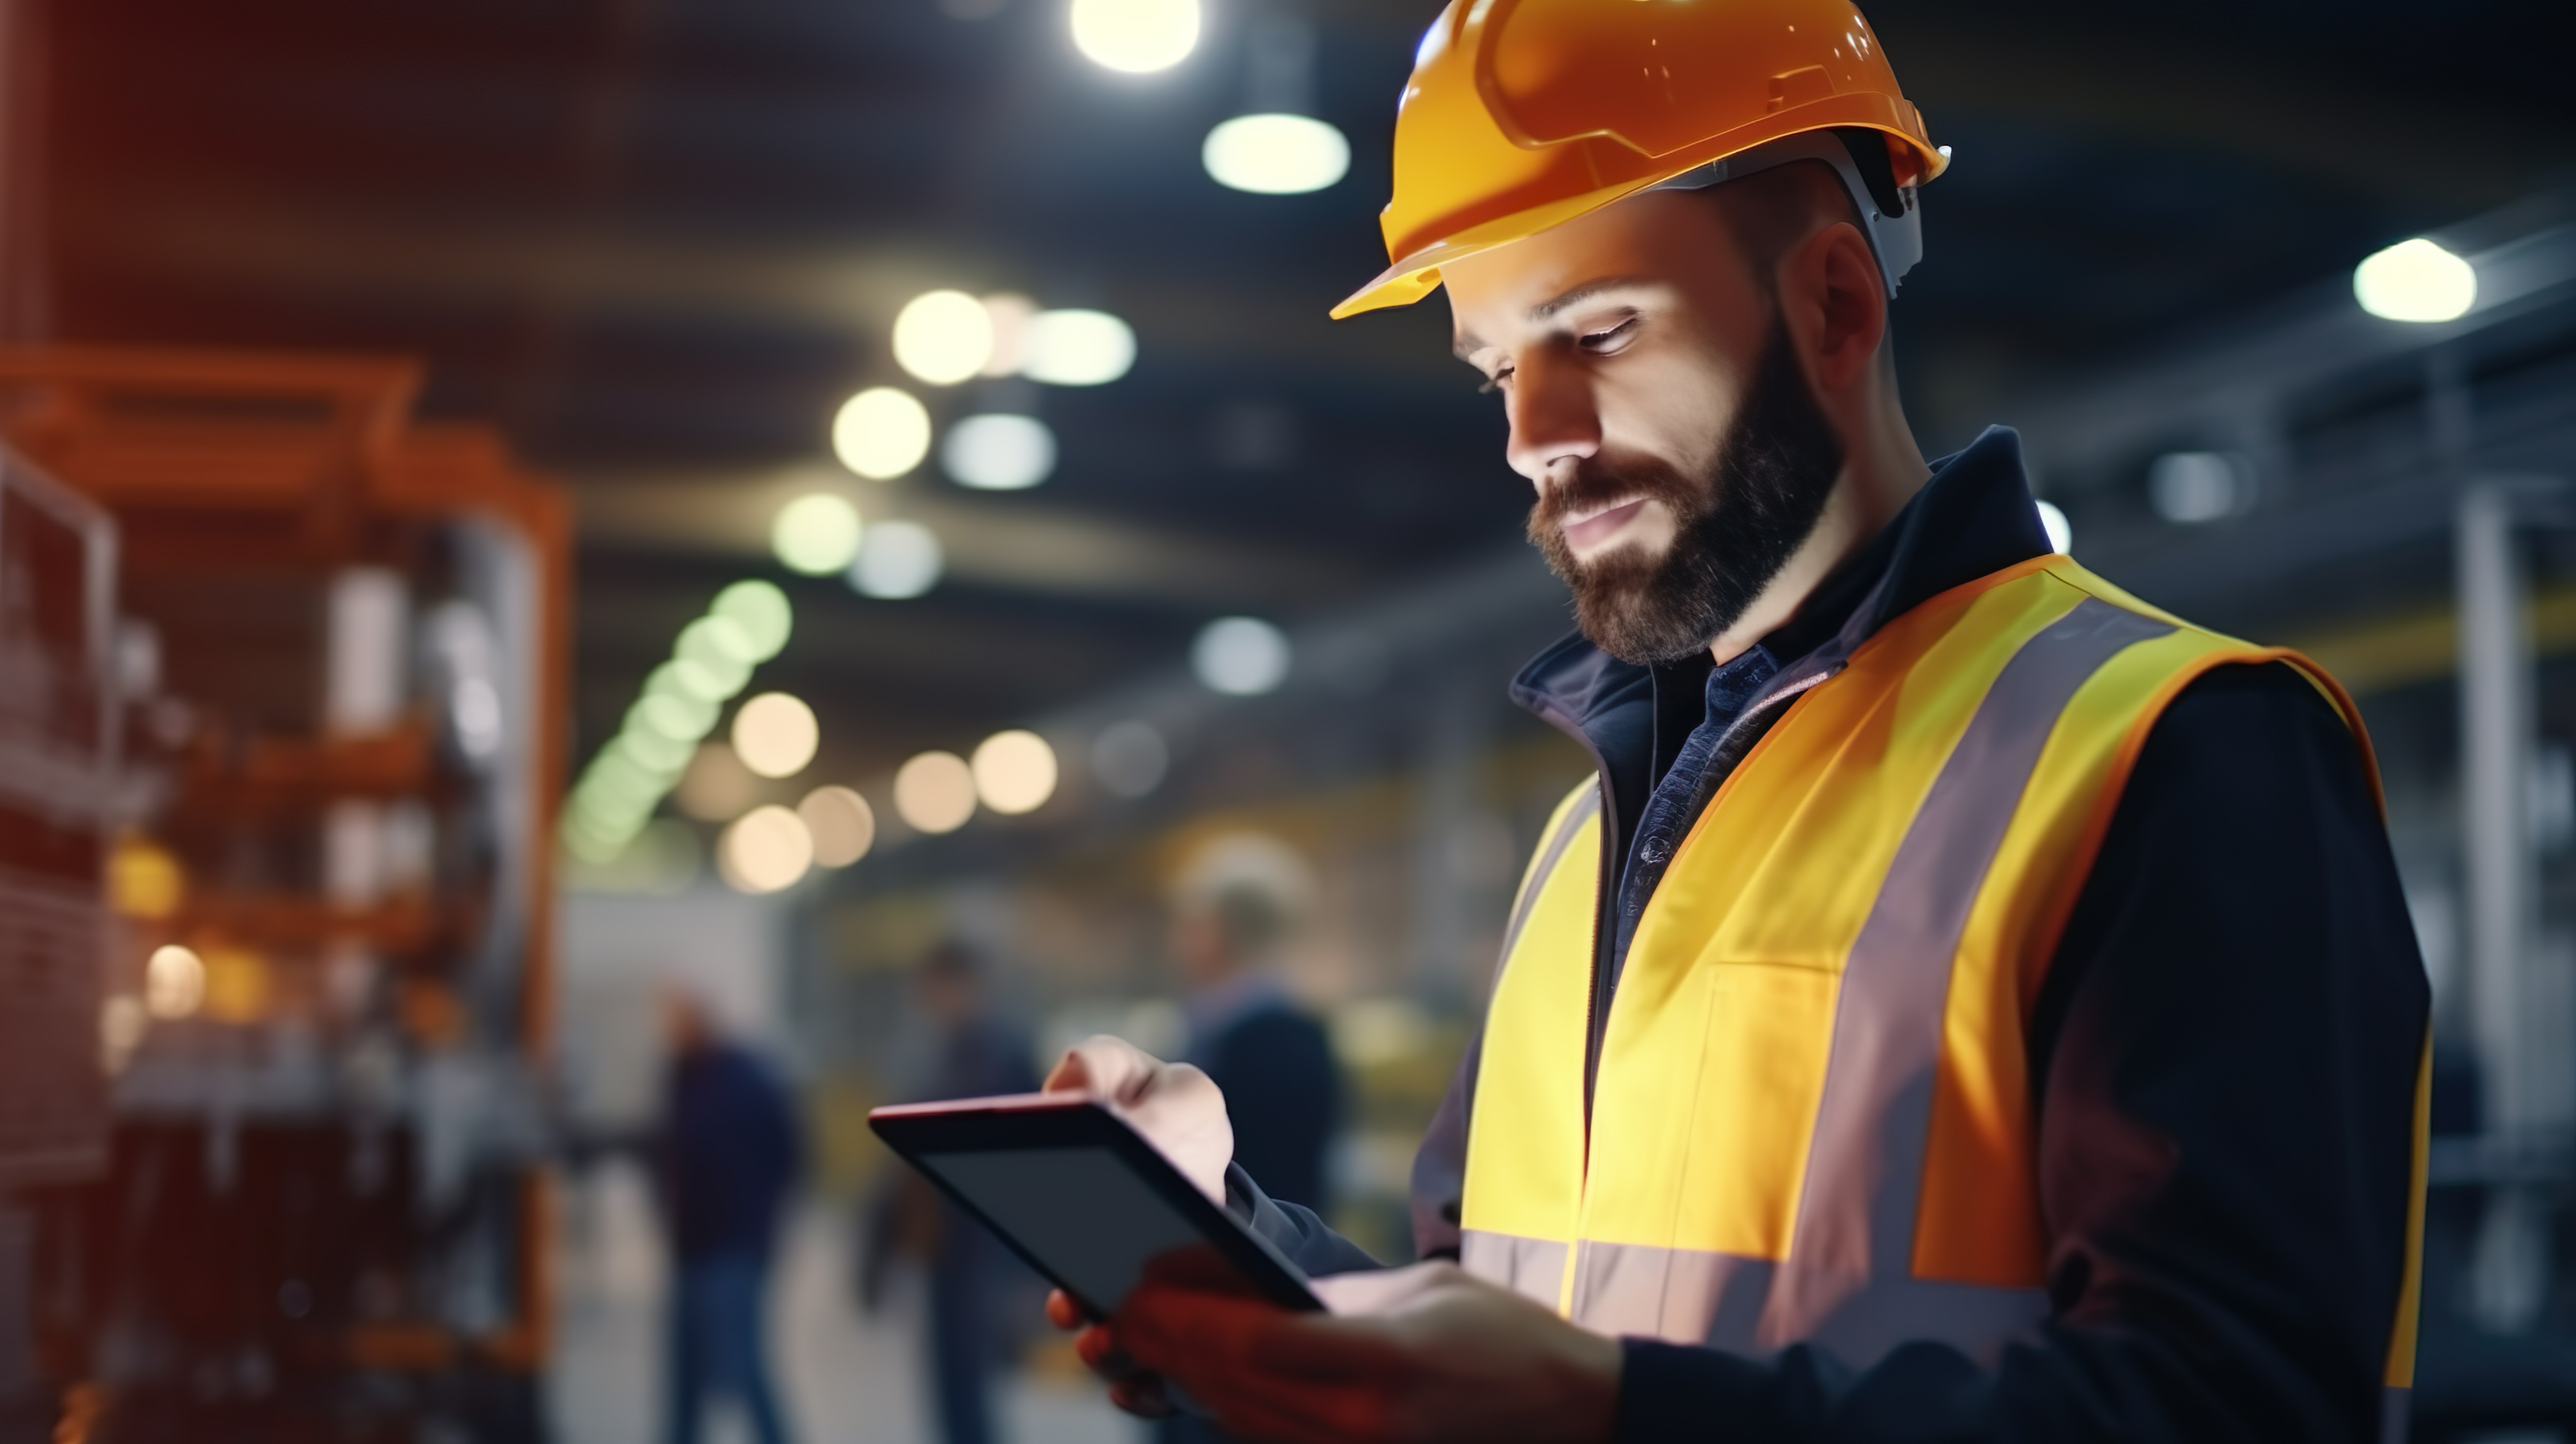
<point>1078,1193</point>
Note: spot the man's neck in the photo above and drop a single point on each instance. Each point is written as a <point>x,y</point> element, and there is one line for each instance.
<point>1882,470</point>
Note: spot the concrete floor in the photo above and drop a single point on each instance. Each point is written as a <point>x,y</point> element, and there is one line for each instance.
<point>846,1379</point>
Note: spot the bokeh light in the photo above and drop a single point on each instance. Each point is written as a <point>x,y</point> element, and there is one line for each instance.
<point>1136,37</point>
<point>2416,280</point>
<point>2061,533</point>
<point>1240,656</point>
<point>897,560</point>
<point>881,433</point>
<point>841,823</point>
<point>1129,758</point>
<point>667,714</point>
<point>687,679</point>
<point>174,981</point>
<point>775,735</point>
<point>765,850</point>
<point>1015,772</point>
<point>1277,155</point>
<point>943,337</point>
<point>935,792</point>
<point>716,785</point>
<point>762,611</point>
<point>999,452</point>
<point>816,534</point>
<point>1079,348</point>
<point>1010,314</point>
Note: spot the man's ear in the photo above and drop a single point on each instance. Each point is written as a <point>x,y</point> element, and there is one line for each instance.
<point>1834,301</point>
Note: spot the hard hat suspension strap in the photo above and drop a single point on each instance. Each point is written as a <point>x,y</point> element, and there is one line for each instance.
<point>1891,213</point>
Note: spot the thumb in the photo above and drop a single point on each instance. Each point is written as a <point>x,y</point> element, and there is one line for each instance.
<point>1104,1067</point>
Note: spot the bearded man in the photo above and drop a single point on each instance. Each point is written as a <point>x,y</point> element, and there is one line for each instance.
<point>1967,1003</point>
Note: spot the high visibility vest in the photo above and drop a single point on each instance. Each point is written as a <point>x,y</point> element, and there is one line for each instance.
<point>1812,1116</point>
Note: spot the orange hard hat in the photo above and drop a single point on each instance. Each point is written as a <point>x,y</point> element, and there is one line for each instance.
<point>1522,114</point>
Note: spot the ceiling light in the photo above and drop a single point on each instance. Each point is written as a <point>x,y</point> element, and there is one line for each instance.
<point>2061,533</point>
<point>881,433</point>
<point>775,735</point>
<point>658,755</point>
<point>843,826</point>
<point>718,643</point>
<point>1136,36</point>
<point>943,337</point>
<point>1130,758</point>
<point>1079,348</point>
<point>1015,772</point>
<point>935,792</point>
<point>897,560</point>
<point>763,613</point>
<point>2416,280</point>
<point>816,534</point>
<point>1000,452</point>
<point>174,981</point>
<point>717,785</point>
<point>687,679</point>
<point>682,719</point>
<point>1010,313</point>
<point>1240,656</point>
<point>2197,486</point>
<point>1276,155</point>
<point>765,850</point>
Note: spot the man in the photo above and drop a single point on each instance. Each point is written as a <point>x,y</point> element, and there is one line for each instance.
<point>978,1054</point>
<point>1968,1004</point>
<point>730,1155</point>
<point>1232,914</point>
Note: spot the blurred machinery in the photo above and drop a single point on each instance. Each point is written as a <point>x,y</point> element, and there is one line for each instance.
<point>339,652</point>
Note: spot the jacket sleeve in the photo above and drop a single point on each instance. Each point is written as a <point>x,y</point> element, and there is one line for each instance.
<point>2228,1045</point>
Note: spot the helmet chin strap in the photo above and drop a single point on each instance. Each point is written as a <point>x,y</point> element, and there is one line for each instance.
<point>1897,240</point>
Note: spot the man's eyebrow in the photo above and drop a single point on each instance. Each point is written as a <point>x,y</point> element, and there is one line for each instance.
<point>1466,347</point>
<point>1583,293</point>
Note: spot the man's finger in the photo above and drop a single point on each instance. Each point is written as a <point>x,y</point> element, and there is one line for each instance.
<point>1062,1311</point>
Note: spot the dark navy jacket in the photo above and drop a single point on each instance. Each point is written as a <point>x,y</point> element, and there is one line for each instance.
<point>2226,1050</point>
<point>730,1153</point>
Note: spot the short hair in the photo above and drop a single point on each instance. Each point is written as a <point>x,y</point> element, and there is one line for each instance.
<point>1770,211</point>
<point>1251,918</point>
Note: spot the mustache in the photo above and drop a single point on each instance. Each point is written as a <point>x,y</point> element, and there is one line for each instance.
<point>1600,482</point>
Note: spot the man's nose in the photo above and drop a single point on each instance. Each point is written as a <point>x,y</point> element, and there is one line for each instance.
<point>1555,425</point>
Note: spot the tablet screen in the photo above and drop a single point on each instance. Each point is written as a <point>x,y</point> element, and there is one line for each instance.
<point>1081,1210</point>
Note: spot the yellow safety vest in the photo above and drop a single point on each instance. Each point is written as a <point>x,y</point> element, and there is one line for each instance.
<point>1812,1118</point>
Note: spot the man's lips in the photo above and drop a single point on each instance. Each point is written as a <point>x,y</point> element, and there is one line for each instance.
<point>1592,529</point>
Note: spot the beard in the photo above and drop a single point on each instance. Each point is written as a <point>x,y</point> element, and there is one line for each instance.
<point>1734,528</point>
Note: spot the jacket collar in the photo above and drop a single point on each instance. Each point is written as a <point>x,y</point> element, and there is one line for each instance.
<point>1975,516</point>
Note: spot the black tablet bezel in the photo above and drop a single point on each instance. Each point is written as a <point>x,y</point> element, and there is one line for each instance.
<point>1012,1124</point>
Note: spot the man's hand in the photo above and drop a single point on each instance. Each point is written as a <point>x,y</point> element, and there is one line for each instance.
<point>1421,1355</point>
<point>1175,1106</point>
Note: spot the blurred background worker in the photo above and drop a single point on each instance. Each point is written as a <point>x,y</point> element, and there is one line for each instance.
<point>730,1156</point>
<point>1234,914</point>
<point>979,1293</point>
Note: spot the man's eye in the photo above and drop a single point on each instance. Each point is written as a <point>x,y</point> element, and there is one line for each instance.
<point>1596,340</point>
<point>1494,382</point>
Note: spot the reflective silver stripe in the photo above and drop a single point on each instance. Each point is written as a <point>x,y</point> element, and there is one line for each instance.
<point>1583,811</point>
<point>1848,1284</point>
<point>1531,1267</point>
<point>2396,1414</point>
<point>1856,1212</point>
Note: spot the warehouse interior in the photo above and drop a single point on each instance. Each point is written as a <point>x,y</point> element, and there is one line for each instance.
<point>512,514</point>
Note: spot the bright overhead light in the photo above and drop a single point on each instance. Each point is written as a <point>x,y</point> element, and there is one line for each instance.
<point>664,714</point>
<point>1240,656</point>
<point>717,785</point>
<point>1078,348</point>
<point>718,643</point>
<point>1136,36</point>
<point>775,735</point>
<point>767,849</point>
<point>2197,486</point>
<point>897,560</point>
<point>816,534</point>
<point>2061,533</point>
<point>999,452</point>
<point>881,433</point>
<point>1130,758</point>
<point>843,826</point>
<point>174,981</point>
<point>660,756</point>
<point>935,792</point>
<point>688,680</point>
<point>763,613</point>
<point>1014,772</point>
<point>1010,313</point>
<point>1276,155</point>
<point>943,337</point>
<point>2416,280</point>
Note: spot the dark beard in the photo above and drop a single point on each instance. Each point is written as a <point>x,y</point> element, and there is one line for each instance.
<point>1734,529</point>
